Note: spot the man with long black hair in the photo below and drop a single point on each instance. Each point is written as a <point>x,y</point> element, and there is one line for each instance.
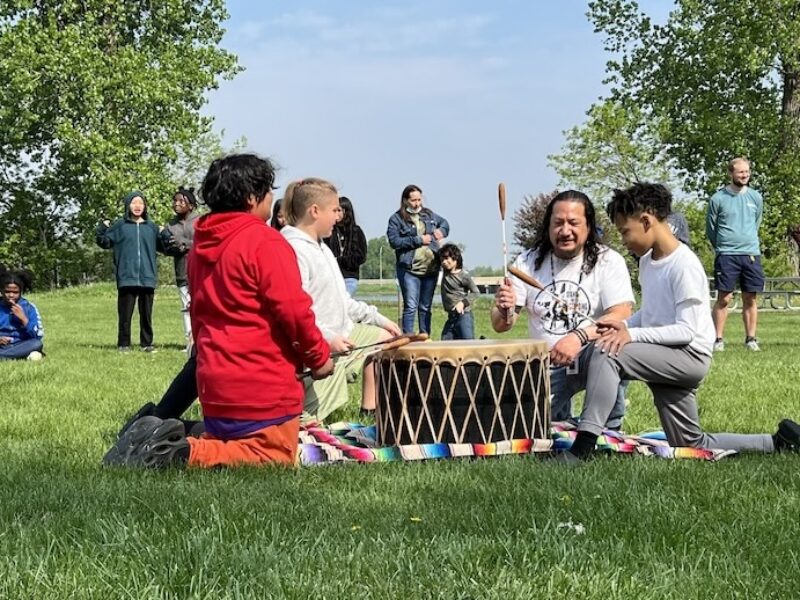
<point>582,278</point>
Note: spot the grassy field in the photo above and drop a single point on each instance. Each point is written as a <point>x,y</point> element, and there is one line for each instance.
<point>457,529</point>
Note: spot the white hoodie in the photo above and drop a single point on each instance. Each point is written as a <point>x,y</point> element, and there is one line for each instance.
<point>336,312</point>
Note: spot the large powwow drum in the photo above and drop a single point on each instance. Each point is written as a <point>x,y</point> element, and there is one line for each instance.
<point>476,391</point>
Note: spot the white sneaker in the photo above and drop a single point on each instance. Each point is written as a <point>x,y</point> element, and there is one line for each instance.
<point>752,345</point>
<point>35,355</point>
<point>719,346</point>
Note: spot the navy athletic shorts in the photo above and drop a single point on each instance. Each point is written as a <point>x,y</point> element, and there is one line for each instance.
<point>742,269</point>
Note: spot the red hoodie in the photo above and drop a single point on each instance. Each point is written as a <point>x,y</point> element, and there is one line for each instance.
<point>251,320</point>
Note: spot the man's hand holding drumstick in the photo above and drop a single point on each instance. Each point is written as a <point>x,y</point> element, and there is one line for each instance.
<point>505,302</point>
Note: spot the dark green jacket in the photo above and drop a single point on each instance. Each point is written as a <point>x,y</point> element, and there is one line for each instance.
<point>134,246</point>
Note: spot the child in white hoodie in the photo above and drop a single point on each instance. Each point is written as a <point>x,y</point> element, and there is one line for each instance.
<point>311,208</point>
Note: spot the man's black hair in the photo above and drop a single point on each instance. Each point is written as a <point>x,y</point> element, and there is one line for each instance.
<point>591,248</point>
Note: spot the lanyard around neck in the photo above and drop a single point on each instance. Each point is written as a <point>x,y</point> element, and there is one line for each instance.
<point>553,271</point>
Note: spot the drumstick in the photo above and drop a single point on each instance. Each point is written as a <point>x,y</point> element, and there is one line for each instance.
<point>390,344</point>
<point>501,197</point>
<point>406,339</point>
<point>533,282</point>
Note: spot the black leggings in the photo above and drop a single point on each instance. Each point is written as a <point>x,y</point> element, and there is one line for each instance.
<point>127,298</point>
<point>180,395</point>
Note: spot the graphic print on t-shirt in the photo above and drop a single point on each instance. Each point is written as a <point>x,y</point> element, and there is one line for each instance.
<point>561,316</point>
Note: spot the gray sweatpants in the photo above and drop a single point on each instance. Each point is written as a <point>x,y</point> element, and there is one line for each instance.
<point>673,375</point>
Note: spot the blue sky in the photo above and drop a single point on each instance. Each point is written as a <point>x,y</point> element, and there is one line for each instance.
<point>452,95</point>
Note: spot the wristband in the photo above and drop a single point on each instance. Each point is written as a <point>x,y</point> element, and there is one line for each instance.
<point>582,336</point>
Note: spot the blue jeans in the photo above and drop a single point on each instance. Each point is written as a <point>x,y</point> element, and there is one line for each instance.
<point>459,327</point>
<point>563,386</point>
<point>20,349</point>
<point>351,283</point>
<point>417,298</point>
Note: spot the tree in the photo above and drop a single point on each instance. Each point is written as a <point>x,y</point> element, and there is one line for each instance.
<point>98,98</point>
<point>721,78</point>
<point>486,271</point>
<point>528,218</point>
<point>380,260</point>
<point>191,164</point>
<point>614,148</point>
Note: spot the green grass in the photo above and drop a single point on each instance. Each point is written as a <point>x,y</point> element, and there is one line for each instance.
<point>455,529</point>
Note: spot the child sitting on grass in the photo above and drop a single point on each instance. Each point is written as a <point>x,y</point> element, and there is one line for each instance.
<point>458,295</point>
<point>253,328</point>
<point>21,330</point>
<point>311,208</point>
<point>667,343</point>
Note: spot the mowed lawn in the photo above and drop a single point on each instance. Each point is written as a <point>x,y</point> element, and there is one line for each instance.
<point>512,527</point>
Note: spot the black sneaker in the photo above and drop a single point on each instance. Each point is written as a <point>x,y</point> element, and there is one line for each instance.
<point>150,443</point>
<point>787,437</point>
<point>148,410</point>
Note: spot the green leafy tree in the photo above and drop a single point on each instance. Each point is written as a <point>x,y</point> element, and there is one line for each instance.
<point>191,164</point>
<point>97,98</point>
<point>486,271</point>
<point>614,148</point>
<point>380,261</point>
<point>721,78</point>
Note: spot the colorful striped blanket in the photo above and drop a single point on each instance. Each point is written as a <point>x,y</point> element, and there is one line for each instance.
<point>353,442</point>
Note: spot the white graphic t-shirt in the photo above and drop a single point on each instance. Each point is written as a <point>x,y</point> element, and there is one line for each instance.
<point>550,319</point>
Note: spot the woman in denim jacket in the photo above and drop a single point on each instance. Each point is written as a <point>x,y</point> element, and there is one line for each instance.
<point>415,234</point>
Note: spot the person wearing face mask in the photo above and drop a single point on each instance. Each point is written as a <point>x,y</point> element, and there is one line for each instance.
<point>415,233</point>
<point>589,279</point>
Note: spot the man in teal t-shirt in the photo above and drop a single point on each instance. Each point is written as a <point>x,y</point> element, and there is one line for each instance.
<point>732,222</point>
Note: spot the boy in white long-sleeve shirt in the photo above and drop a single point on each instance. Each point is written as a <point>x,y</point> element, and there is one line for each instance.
<point>311,209</point>
<point>668,342</point>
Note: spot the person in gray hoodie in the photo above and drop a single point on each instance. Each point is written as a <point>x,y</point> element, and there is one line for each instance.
<point>177,239</point>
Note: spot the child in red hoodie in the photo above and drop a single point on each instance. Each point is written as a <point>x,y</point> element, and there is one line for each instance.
<point>254,330</point>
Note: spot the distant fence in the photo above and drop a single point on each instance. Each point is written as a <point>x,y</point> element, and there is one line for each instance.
<point>486,285</point>
<point>780,293</point>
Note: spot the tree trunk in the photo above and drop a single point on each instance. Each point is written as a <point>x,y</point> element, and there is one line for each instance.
<point>790,108</point>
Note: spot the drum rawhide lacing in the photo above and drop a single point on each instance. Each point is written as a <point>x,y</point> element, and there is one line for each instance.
<point>463,395</point>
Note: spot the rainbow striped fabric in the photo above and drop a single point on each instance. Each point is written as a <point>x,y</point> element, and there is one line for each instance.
<point>353,442</point>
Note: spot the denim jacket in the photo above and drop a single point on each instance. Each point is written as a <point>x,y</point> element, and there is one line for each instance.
<point>403,237</point>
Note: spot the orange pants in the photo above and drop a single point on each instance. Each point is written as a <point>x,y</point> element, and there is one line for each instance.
<point>273,444</point>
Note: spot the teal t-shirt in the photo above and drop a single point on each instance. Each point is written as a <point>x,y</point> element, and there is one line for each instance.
<point>732,221</point>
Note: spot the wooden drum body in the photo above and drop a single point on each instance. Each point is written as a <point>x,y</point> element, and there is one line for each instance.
<point>476,391</point>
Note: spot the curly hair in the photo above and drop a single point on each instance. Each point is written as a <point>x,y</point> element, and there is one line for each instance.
<point>232,180</point>
<point>643,197</point>
<point>591,249</point>
<point>22,278</point>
